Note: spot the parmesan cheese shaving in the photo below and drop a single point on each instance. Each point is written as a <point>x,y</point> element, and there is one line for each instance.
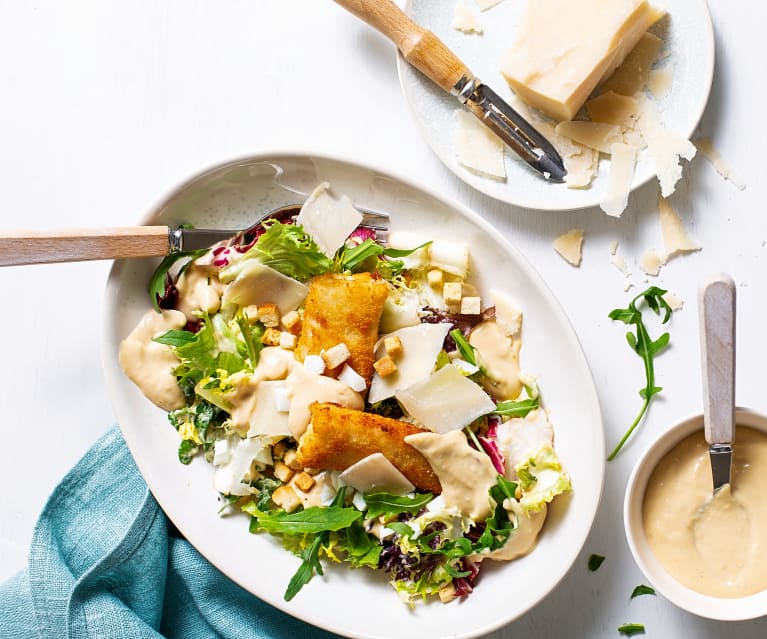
<point>464,19</point>
<point>659,82</point>
<point>631,77</point>
<point>595,135</point>
<point>613,108</point>
<point>569,246</point>
<point>618,262</point>
<point>477,147</point>
<point>581,162</point>
<point>651,262</point>
<point>613,247</point>
<point>619,179</point>
<point>706,147</point>
<point>675,302</point>
<point>665,147</point>
<point>675,238</point>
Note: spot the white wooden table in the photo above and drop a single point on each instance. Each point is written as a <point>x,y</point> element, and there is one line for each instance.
<point>105,105</point>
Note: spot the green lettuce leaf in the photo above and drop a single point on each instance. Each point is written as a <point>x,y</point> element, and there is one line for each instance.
<point>541,479</point>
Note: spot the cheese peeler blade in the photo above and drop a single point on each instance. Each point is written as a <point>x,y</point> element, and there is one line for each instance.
<point>427,53</point>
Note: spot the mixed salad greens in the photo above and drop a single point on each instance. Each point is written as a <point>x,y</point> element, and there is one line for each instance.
<point>421,539</point>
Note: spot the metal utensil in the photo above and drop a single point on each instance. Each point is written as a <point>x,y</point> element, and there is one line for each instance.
<point>78,245</point>
<point>716,306</point>
<point>427,53</point>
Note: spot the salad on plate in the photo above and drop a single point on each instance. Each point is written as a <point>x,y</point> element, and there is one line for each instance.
<point>358,399</point>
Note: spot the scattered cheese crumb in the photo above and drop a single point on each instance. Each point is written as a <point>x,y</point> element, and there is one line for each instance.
<point>613,247</point>
<point>336,355</point>
<point>435,277</point>
<point>675,238</point>
<point>465,20</point>
<point>665,147</point>
<point>314,364</point>
<point>385,366</point>
<point>706,147</point>
<point>651,262</point>
<point>659,82</point>
<point>477,147</point>
<point>471,306</point>
<point>287,340</point>
<point>619,179</point>
<point>676,303</point>
<point>484,5</point>
<point>618,262</point>
<point>627,285</point>
<point>569,246</point>
<point>393,345</point>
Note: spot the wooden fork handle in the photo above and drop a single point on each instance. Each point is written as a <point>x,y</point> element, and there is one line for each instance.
<point>75,245</point>
<point>421,48</point>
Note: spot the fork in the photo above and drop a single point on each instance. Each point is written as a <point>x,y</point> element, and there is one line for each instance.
<point>78,245</point>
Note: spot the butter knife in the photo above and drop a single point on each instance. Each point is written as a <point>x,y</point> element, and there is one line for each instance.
<point>427,53</point>
<point>716,305</point>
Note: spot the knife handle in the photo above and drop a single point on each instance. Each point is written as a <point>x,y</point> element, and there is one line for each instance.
<point>77,245</point>
<point>716,307</point>
<point>420,47</point>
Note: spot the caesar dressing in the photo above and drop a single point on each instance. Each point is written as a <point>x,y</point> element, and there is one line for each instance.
<point>198,290</point>
<point>466,475</point>
<point>525,536</point>
<point>306,387</point>
<point>150,365</point>
<point>499,356</point>
<point>716,545</point>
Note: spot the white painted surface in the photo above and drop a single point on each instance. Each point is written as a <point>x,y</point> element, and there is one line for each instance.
<point>106,105</point>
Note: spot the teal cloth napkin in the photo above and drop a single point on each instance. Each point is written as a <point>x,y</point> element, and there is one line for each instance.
<point>103,564</point>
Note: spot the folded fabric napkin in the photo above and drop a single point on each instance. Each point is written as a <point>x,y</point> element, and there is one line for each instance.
<point>103,564</point>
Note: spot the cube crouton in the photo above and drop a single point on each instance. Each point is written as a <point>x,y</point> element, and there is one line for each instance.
<point>385,366</point>
<point>393,345</point>
<point>471,306</point>
<point>451,294</point>
<point>304,481</point>
<point>288,340</point>
<point>269,315</point>
<point>336,355</point>
<point>435,277</point>
<point>285,497</point>
<point>283,472</point>
<point>271,337</point>
<point>291,322</point>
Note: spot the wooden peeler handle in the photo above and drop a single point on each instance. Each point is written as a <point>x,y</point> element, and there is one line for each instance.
<point>420,47</point>
<point>76,245</point>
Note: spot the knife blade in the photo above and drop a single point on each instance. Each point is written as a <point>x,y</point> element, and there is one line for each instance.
<point>427,53</point>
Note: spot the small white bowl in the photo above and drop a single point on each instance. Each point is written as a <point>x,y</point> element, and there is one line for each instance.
<point>724,609</point>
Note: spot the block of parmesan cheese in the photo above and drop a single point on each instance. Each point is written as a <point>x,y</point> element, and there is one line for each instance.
<point>564,49</point>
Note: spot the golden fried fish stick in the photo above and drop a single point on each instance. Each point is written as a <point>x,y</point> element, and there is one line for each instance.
<point>339,437</point>
<point>343,309</point>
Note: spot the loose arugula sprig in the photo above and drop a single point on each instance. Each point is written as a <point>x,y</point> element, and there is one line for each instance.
<point>644,346</point>
<point>630,629</point>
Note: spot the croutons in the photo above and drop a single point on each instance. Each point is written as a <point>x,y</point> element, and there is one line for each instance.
<point>336,355</point>
<point>291,322</point>
<point>283,472</point>
<point>304,481</point>
<point>290,459</point>
<point>393,346</point>
<point>451,294</point>
<point>251,313</point>
<point>269,315</point>
<point>271,337</point>
<point>285,497</point>
<point>435,277</point>
<point>288,340</point>
<point>385,366</point>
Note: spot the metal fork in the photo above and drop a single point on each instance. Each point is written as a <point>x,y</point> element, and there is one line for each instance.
<point>77,245</point>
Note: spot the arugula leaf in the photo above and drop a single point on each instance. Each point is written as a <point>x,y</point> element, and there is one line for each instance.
<point>388,504</point>
<point>464,348</point>
<point>310,520</point>
<point>176,338</point>
<point>642,590</point>
<point>362,549</point>
<point>644,346</point>
<point>595,561</point>
<point>352,258</point>
<point>510,408</point>
<point>630,629</point>
<point>159,278</point>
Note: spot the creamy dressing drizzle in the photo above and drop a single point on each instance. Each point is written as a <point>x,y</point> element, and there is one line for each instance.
<point>716,546</point>
<point>466,475</point>
<point>150,365</point>
<point>499,356</point>
<point>525,536</point>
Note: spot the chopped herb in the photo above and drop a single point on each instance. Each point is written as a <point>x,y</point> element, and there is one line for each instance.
<point>464,348</point>
<point>595,561</point>
<point>630,629</point>
<point>642,590</point>
<point>644,346</point>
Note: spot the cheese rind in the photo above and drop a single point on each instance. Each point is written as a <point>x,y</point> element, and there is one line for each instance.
<point>554,68</point>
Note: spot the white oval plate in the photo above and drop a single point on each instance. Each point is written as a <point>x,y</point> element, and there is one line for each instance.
<point>688,40</point>
<point>360,603</point>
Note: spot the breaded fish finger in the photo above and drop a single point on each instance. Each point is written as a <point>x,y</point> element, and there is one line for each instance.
<point>338,437</point>
<point>343,308</point>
